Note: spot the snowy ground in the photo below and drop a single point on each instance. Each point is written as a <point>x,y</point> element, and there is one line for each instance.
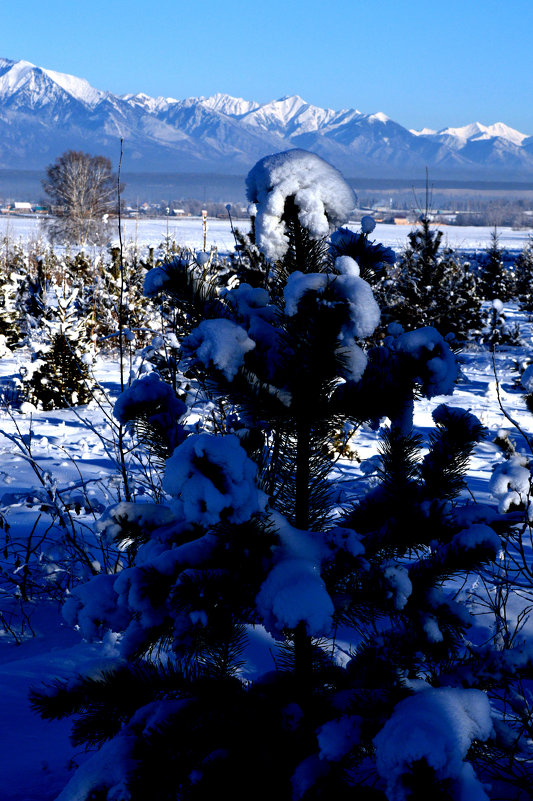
<point>36,758</point>
<point>188,231</point>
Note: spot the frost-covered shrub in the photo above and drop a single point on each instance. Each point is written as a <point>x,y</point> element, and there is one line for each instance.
<point>10,327</point>
<point>111,289</point>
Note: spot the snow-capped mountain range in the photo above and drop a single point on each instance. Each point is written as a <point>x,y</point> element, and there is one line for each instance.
<point>43,113</point>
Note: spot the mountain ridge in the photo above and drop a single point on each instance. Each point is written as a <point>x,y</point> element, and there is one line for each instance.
<point>44,112</point>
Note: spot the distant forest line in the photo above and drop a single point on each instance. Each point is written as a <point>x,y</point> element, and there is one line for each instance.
<point>140,187</point>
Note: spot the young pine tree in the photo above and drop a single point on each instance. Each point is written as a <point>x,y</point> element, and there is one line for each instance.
<point>58,376</point>
<point>279,639</point>
<point>497,330</point>
<point>433,287</point>
<point>524,277</point>
<point>496,278</point>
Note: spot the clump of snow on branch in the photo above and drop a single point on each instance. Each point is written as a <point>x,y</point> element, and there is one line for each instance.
<point>111,768</point>
<point>222,343</point>
<point>510,483</point>
<point>156,280</point>
<point>342,539</point>
<point>298,285</point>
<point>443,414</point>
<point>349,290</point>
<point>363,311</point>
<point>363,308</point>
<point>435,362</point>
<point>145,516</point>
<point>337,737</point>
<point>115,761</point>
<point>527,379</point>
<point>213,479</point>
<point>345,265</point>
<point>149,395</point>
<point>368,224</point>
<point>431,629</point>
<point>294,590</point>
<point>250,302</point>
<point>478,535</point>
<point>92,603</point>
<point>438,726</point>
<point>307,774</point>
<point>354,361</point>
<point>322,197</point>
<point>399,586</point>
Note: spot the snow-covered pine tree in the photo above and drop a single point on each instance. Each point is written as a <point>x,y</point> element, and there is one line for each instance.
<point>99,284</point>
<point>9,316</point>
<point>14,269</point>
<point>496,330</point>
<point>432,286</point>
<point>524,277</point>
<point>273,645</point>
<point>31,304</point>
<point>58,375</point>
<point>496,277</point>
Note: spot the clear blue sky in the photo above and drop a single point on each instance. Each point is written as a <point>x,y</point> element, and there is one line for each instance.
<point>422,63</point>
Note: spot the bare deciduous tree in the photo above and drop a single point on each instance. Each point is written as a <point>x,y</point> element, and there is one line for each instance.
<point>83,190</point>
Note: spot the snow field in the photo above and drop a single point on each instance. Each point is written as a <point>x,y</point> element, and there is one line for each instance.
<point>188,232</point>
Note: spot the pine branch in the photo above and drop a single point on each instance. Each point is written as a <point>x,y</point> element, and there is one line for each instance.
<point>450,447</point>
<point>102,704</point>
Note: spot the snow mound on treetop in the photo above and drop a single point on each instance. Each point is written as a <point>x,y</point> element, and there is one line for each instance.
<point>438,726</point>
<point>321,195</point>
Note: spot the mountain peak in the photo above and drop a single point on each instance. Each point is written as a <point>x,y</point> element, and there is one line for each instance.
<point>290,98</point>
<point>226,104</point>
<point>148,103</point>
<point>290,114</point>
<point>78,88</point>
<point>16,74</point>
<point>23,75</point>
<point>379,116</point>
<point>423,131</point>
<point>476,131</point>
